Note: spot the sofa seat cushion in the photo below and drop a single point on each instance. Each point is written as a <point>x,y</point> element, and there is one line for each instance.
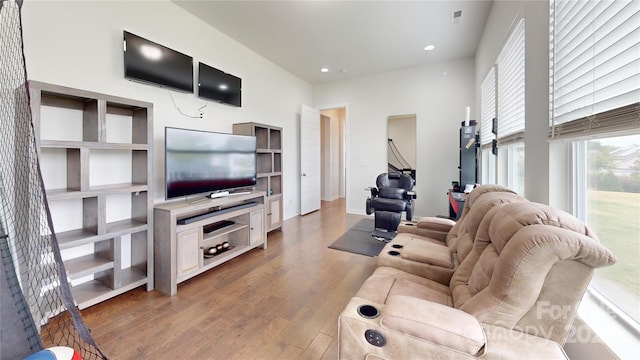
<point>435,323</point>
<point>386,282</point>
<point>427,252</point>
<point>411,253</point>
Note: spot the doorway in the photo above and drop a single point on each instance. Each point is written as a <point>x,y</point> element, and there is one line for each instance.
<point>401,147</point>
<point>333,153</point>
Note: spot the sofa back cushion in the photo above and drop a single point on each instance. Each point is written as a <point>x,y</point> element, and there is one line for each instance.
<point>471,198</point>
<point>525,255</point>
<point>463,244</point>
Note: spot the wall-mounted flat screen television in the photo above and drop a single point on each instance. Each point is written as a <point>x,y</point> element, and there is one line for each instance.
<point>199,161</point>
<point>216,85</point>
<point>152,63</point>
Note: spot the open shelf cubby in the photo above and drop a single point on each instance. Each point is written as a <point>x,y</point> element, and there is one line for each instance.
<point>262,137</point>
<point>275,139</point>
<point>264,163</point>
<point>277,162</point>
<point>276,185</point>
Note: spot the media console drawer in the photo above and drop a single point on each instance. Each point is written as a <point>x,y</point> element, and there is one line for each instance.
<point>193,238</point>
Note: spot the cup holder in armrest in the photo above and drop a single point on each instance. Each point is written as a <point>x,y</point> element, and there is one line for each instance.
<point>409,224</point>
<point>393,253</point>
<point>397,246</point>
<point>368,311</point>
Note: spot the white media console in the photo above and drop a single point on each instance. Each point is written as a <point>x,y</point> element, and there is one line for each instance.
<point>185,231</point>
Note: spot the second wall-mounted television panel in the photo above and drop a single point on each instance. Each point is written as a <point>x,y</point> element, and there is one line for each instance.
<point>153,63</point>
<point>216,85</point>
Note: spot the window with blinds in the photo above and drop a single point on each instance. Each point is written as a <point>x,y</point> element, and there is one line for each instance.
<point>510,80</point>
<point>487,107</point>
<point>594,67</point>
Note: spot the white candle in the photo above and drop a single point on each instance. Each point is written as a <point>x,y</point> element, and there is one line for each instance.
<point>466,121</point>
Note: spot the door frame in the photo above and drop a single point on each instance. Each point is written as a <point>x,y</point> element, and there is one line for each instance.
<point>345,155</point>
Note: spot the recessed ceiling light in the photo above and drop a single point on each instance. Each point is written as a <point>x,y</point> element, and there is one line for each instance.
<point>324,69</point>
<point>429,47</point>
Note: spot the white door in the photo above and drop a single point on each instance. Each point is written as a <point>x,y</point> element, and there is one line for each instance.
<point>309,159</point>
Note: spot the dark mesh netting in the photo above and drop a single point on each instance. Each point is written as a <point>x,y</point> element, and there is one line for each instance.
<point>37,306</point>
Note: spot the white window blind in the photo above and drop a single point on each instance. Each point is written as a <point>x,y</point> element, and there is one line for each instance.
<point>595,67</point>
<point>510,74</point>
<point>487,107</point>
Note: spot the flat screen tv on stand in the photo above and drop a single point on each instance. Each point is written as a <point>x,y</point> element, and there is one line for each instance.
<point>207,163</point>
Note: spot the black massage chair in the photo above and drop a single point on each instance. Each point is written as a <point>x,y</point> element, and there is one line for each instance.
<point>392,195</point>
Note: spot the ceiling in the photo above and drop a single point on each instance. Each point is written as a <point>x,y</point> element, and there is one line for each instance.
<point>350,38</point>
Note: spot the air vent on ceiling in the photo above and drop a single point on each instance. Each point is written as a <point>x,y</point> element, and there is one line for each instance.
<point>457,17</point>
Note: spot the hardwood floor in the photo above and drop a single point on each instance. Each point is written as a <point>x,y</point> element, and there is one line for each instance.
<point>278,303</point>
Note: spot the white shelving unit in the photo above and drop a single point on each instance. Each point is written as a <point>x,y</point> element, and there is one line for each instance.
<point>96,157</point>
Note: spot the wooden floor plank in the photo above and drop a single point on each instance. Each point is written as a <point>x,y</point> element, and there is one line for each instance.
<point>317,347</point>
<point>278,303</point>
<point>332,350</point>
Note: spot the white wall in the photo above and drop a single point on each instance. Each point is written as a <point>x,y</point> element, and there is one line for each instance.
<point>79,44</point>
<point>437,94</point>
<point>499,23</point>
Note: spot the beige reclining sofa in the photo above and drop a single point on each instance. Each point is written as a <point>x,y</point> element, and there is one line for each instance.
<point>513,296</point>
